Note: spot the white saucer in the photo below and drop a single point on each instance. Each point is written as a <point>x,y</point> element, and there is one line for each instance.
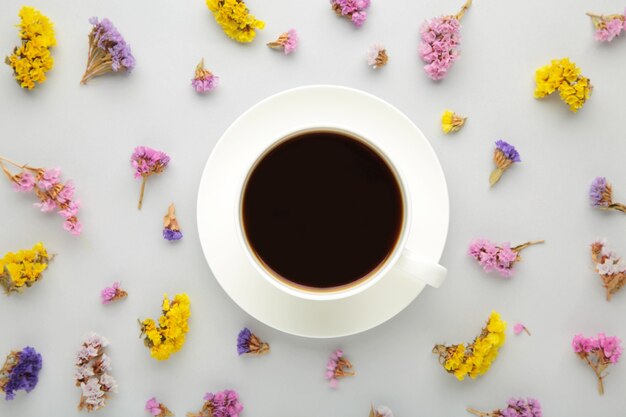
<point>228,165</point>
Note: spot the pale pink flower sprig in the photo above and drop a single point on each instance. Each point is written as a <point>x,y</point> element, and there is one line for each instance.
<point>497,257</point>
<point>146,162</point>
<point>610,267</point>
<point>353,10</point>
<point>599,353</point>
<point>53,194</point>
<point>113,293</point>
<point>204,80</point>
<point>287,41</point>
<point>440,40</point>
<point>608,26</point>
<point>337,367</point>
<point>519,328</point>
<point>380,411</point>
<point>377,56</point>
<point>157,409</point>
<point>91,373</point>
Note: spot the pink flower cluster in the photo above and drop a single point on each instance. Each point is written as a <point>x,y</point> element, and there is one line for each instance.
<point>351,9</point>
<point>52,193</point>
<point>224,403</point>
<point>148,161</point>
<point>493,257</point>
<point>609,27</point>
<point>336,368</point>
<point>608,349</point>
<point>112,293</point>
<point>154,407</point>
<point>439,43</point>
<point>287,41</point>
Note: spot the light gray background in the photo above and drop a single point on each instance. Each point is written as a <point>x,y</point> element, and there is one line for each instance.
<point>90,132</point>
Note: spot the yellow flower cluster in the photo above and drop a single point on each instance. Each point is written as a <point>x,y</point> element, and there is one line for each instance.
<point>169,336</point>
<point>23,268</point>
<point>31,60</point>
<point>476,358</point>
<point>451,122</point>
<point>235,19</point>
<point>564,76</point>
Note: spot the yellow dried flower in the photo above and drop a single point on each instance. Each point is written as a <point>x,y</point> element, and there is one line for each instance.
<point>31,60</point>
<point>475,359</point>
<point>235,19</point>
<point>169,336</point>
<point>564,76</point>
<point>23,268</point>
<point>451,122</point>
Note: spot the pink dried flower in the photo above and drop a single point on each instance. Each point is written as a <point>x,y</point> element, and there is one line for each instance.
<point>610,267</point>
<point>204,80</point>
<point>146,162</point>
<point>377,56</point>
<point>287,41</point>
<point>519,327</point>
<point>608,27</point>
<point>113,293</point>
<point>337,367</point>
<point>154,407</point>
<point>500,258</point>
<point>354,10</point>
<point>599,353</point>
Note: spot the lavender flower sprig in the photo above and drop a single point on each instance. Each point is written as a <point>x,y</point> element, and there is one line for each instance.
<point>108,51</point>
<point>516,407</point>
<point>171,228</point>
<point>601,196</point>
<point>221,404</point>
<point>249,343</point>
<point>20,372</point>
<point>504,156</point>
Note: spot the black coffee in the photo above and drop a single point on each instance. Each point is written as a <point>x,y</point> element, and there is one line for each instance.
<point>322,210</point>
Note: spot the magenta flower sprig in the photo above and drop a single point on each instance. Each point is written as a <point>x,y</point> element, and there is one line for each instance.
<point>108,51</point>
<point>353,10</point>
<point>608,26</point>
<point>498,257</point>
<point>113,293</point>
<point>377,56</point>
<point>519,328</point>
<point>504,155</point>
<point>287,42</point>
<point>610,267</point>
<point>157,409</point>
<point>601,196</point>
<point>204,80</point>
<point>515,407</point>
<point>598,353</point>
<point>171,228</point>
<point>440,40</point>
<point>147,162</point>
<point>337,367</point>
<point>53,194</point>
<point>221,404</point>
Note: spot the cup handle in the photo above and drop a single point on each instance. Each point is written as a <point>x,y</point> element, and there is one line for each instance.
<point>428,272</point>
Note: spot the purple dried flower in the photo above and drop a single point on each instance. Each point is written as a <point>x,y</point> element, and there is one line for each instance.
<point>337,367</point>
<point>108,51</point>
<point>221,404</point>
<point>601,195</point>
<point>171,228</point>
<point>204,80</point>
<point>354,10</point>
<point>516,407</point>
<point>508,150</point>
<point>598,353</point>
<point>248,342</point>
<point>287,41</point>
<point>504,156</point>
<point>20,372</point>
<point>146,162</point>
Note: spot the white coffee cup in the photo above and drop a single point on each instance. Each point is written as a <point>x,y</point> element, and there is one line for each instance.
<point>401,257</point>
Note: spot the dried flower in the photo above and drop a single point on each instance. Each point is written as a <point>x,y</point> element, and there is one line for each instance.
<point>497,257</point>
<point>113,293</point>
<point>451,122</point>
<point>108,51</point>
<point>91,374</point>
<point>235,19</point>
<point>221,404</point>
<point>249,343</point>
<point>169,336</point>
<point>20,372</point>
<point>154,407</point>
<point>380,411</point>
<point>601,195</point>
<point>204,80</point>
<point>519,327</point>
<point>610,267</point>
<point>171,228</point>
<point>146,162</point>
<point>23,268</point>
<point>503,156</point>
<point>31,60</point>
<point>516,407</point>
<point>564,76</point>
<point>337,367</point>
<point>51,192</point>
<point>287,41</point>
<point>599,353</point>
<point>608,26</point>
<point>440,39</point>
<point>353,10</point>
<point>475,359</point>
<point>377,56</point>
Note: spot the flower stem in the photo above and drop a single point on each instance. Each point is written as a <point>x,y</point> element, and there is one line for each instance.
<point>466,6</point>
<point>527,331</point>
<point>477,413</point>
<point>523,246</point>
<point>495,176</point>
<point>143,188</point>
<point>605,17</point>
<point>618,207</point>
<point>598,374</point>
<point>24,166</point>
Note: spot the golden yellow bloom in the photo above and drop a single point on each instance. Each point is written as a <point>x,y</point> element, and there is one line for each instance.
<point>23,268</point>
<point>169,336</point>
<point>235,19</point>
<point>564,76</point>
<point>31,60</point>
<point>451,122</point>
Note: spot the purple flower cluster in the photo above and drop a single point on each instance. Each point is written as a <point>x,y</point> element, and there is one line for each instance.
<point>108,39</point>
<point>508,150</point>
<point>351,9</point>
<point>607,348</point>
<point>248,342</point>
<point>21,372</point>
<point>148,161</point>
<point>170,234</point>
<point>520,407</point>
<point>171,228</point>
<point>600,192</point>
<point>154,407</point>
<point>440,38</point>
<point>492,257</point>
<point>204,80</point>
<point>224,403</point>
<point>337,367</point>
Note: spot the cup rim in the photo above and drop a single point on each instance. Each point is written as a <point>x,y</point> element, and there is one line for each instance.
<point>346,290</point>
